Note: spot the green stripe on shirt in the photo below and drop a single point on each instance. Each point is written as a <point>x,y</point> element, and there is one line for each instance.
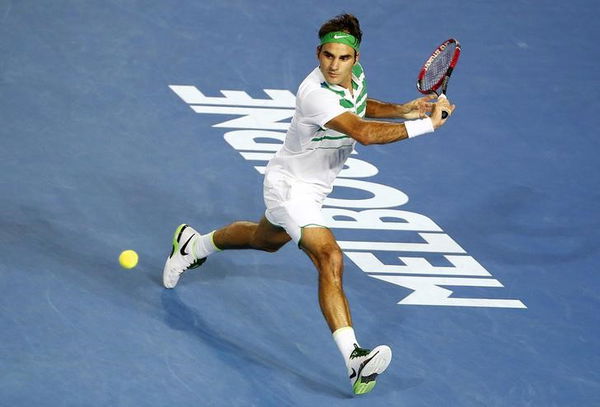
<point>338,92</point>
<point>328,138</point>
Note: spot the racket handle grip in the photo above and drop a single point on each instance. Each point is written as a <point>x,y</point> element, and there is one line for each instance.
<point>444,113</point>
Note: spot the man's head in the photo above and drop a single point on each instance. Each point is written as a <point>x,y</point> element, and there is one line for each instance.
<point>338,50</point>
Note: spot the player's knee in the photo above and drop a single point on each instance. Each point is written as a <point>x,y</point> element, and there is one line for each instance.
<point>268,245</point>
<point>331,262</point>
<point>272,247</point>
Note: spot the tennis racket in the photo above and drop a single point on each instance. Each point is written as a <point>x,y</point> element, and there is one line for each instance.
<point>435,73</point>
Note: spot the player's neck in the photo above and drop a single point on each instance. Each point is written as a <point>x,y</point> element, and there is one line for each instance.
<point>347,84</point>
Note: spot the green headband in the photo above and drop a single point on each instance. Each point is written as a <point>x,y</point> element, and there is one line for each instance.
<point>342,38</point>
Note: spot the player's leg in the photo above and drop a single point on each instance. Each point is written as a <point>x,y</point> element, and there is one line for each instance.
<point>190,248</point>
<point>364,365</point>
<point>320,245</point>
<point>249,235</point>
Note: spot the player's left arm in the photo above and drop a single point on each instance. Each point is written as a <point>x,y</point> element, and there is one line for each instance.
<point>415,109</point>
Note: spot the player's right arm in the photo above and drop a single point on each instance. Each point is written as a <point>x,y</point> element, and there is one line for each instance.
<point>378,132</point>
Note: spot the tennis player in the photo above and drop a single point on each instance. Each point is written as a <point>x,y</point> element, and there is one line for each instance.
<point>331,105</point>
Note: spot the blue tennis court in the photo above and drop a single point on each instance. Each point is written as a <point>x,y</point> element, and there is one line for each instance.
<point>472,252</point>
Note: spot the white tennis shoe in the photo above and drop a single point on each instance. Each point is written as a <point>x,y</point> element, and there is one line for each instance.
<point>182,257</point>
<point>365,365</point>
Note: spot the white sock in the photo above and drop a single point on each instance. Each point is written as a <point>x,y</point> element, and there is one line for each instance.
<point>345,341</point>
<point>205,246</point>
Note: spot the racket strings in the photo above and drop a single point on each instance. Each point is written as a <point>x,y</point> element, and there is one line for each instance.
<point>438,67</point>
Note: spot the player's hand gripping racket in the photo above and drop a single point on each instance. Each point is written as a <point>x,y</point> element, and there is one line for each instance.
<point>435,73</point>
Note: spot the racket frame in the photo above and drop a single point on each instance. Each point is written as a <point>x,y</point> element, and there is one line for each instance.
<point>443,82</point>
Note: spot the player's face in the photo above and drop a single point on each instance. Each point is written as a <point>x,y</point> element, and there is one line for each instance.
<point>336,62</point>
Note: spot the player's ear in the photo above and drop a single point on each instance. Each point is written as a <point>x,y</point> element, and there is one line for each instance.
<point>356,57</point>
<point>318,51</point>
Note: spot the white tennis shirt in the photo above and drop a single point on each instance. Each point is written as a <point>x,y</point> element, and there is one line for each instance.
<point>312,153</point>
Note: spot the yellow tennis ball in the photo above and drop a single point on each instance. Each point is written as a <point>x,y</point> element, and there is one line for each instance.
<point>128,259</point>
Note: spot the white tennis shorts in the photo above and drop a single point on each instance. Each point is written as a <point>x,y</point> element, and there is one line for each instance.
<point>292,204</point>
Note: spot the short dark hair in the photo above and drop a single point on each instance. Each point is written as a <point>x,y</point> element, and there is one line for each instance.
<point>343,22</point>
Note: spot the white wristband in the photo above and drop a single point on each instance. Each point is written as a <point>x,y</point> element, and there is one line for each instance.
<point>419,127</point>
